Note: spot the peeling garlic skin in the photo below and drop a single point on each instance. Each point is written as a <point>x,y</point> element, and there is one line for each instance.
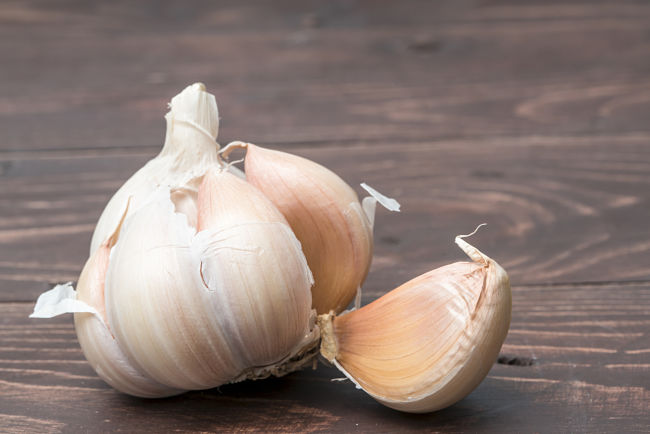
<point>430,342</point>
<point>190,148</point>
<point>98,344</point>
<point>326,216</point>
<point>194,310</point>
<point>159,318</point>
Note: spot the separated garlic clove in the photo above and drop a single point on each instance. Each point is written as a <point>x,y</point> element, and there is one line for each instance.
<point>326,216</point>
<point>429,343</point>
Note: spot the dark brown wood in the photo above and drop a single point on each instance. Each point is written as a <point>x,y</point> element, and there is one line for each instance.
<point>532,117</point>
<point>533,192</point>
<point>570,358</point>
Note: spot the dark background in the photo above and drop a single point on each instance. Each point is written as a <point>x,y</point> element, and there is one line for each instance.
<point>531,116</point>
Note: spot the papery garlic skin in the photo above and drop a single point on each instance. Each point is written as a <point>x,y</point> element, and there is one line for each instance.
<point>326,216</point>
<point>190,149</point>
<point>427,344</point>
<point>95,338</point>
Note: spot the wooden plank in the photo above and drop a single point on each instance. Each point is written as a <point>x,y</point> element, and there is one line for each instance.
<point>575,360</point>
<point>553,215</point>
<point>312,73</point>
<point>532,117</point>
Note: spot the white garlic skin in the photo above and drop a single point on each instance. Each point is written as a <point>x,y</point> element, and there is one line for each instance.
<point>98,343</point>
<point>429,343</point>
<point>193,310</point>
<point>190,149</point>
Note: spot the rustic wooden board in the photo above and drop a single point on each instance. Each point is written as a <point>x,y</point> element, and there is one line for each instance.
<point>552,214</point>
<point>568,365</point>
<point>80,75</point>
<point>532,117</point>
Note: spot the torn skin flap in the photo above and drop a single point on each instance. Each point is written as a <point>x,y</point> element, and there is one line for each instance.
<point>60,300</point>
<point>369,203</point>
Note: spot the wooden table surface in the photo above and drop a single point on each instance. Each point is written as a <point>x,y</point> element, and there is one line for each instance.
<point>531,116</point>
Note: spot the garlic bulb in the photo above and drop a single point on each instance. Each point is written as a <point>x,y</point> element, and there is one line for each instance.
<point>428,343</point>
<point>195,279</point>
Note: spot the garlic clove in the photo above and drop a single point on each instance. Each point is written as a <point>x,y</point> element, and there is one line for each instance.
<point>253,264</point>
<point>98,344</point>
<point>430,342</point>
<point>326,216</point>
<point>157,306</point>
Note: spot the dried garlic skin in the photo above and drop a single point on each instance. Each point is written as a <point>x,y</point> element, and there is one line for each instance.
<point>430,342</point>
<point>195,309</point>
<point>96,340</point>
<point>190,148</point>
<point>326,216</point>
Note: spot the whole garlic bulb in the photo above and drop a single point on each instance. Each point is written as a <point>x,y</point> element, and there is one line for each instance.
<point>427,344</point>
<point>195,279</point>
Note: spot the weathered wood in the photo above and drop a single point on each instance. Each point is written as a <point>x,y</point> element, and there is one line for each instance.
<point>574,354</point>
<point>534,193</point>
<point>78,76</point>
<point>532,117</point>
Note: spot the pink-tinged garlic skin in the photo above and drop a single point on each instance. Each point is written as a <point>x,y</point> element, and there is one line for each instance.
<point>430,342</point>
<point>326,216</point>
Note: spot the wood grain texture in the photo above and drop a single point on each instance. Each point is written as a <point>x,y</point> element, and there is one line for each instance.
<point>532,117</point>
<point>553,216</point>
<point>299,72</point>
<point>582,343</point>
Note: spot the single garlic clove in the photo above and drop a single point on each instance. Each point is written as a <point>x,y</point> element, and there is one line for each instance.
<point>430,342</point>
<point>252,263</point>
<point>326,216</point>
<point>98,344</point>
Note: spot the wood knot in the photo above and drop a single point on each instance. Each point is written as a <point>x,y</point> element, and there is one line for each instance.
<point>506,359</point>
